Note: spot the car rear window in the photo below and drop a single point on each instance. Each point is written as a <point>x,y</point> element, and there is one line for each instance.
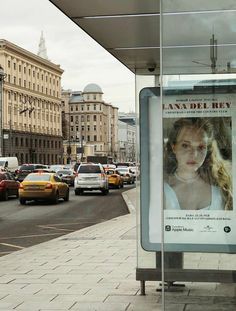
<point>64,172</point>
<point>38,177</point>
<point>89,169</point>
<point>27,167</point>
<point>2,177</point>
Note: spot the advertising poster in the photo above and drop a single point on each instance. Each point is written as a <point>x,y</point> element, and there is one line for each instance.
<point>191,176</point>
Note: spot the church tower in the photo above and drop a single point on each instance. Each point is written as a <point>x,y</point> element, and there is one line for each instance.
<point>42,52</point>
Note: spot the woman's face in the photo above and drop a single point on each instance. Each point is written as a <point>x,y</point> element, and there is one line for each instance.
<point>191,148</point>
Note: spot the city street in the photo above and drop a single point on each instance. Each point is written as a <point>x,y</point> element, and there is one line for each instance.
<point>24,226</point>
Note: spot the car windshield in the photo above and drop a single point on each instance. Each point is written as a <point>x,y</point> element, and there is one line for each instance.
<point>38,177</point>
<point>89,169</point>
<point>2,176</point>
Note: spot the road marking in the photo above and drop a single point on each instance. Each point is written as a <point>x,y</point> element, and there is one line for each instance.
<point>75,223</point>
<point>28,236</point>
<point>6,253</point>
<point>54,228</point>
<point>11,245</point>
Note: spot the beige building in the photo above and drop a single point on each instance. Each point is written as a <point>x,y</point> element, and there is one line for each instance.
<point>31,106</point>
<point>90,121</point>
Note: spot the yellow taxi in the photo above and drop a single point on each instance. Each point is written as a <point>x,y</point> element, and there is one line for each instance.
<point>114,179</point>
<point>43,186</point>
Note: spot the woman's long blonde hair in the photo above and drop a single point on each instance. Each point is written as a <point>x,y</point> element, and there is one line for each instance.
<point>215,170</point>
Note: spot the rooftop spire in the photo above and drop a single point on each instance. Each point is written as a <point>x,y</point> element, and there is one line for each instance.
<point>42,52</point>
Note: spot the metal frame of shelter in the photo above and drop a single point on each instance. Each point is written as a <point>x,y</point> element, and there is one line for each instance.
<point>143,36</point>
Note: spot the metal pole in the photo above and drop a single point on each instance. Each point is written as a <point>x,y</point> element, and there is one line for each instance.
<point>2,77</point>
<point>10,125</point>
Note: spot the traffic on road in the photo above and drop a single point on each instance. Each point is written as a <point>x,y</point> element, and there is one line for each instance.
<point>47,204</point>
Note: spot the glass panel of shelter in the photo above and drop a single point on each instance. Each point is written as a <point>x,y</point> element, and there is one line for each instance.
<point>198,98</point>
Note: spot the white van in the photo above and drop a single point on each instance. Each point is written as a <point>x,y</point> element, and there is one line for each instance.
<point>9,163</point>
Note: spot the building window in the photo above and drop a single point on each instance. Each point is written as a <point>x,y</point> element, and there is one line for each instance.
<point>95,118</point>
<point>82,118</point>
<point>82,107</point>
<point>88,107</point>
<point>94,127</point>
<point>88,117</point>
<point>14,66</point>
<point>82,128</point>
<point>9,64</point>
<point>95,138</point>
<point>94,106</point>
<point>88,138</point>
<point>94,97</point>
<point>71,118</point>
<point>88,128</point>
<point>19,68</point>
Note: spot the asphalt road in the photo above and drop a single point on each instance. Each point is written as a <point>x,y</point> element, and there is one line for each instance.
<point>26,225</point>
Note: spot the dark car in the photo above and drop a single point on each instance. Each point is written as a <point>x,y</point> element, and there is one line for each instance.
<point>8,185</point>
<point>26,169</point>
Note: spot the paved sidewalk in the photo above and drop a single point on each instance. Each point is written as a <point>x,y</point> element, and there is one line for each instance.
<point>94,269</point>
<point>90,269</point>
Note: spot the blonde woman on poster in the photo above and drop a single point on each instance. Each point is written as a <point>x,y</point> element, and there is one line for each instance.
<point>196,177</point>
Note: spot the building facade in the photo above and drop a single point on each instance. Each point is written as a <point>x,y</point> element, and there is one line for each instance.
<point>90,122</point>
<point>127,142</point>
<point>31,107</point>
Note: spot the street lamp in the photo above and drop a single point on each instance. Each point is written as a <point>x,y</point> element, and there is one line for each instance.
<point>2,77</point>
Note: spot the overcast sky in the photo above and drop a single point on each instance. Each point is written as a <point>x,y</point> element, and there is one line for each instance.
<point>83,60</point>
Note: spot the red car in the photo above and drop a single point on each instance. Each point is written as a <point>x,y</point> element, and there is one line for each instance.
<point>8,185</point>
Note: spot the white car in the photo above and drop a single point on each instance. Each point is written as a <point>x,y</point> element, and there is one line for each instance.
<point>91,176</point>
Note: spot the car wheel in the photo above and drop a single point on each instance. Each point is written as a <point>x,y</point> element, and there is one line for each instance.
<point>56,199</point>
<point>105,191</point>
<point>22,201</point>
<point>66,198</point>
<point>5,195</point>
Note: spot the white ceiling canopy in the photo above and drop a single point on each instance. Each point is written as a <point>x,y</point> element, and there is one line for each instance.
<point>193,30</point>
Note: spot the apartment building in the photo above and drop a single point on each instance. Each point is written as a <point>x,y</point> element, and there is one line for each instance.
<point>31,115</point>
<point>90,121</point>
